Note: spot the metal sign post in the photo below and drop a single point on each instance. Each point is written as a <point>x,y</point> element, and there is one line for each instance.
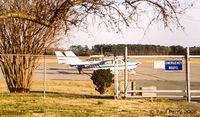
<point>188,75</point>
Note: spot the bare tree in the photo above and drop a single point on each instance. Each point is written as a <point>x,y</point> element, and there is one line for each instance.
<point>30,26</point>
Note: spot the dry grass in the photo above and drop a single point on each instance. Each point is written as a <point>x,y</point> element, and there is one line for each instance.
<point>78,98</point>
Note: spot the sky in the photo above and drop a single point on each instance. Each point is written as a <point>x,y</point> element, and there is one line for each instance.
<point>156,35</point>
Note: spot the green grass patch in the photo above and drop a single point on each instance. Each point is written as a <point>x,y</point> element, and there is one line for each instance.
<point>84,101</point>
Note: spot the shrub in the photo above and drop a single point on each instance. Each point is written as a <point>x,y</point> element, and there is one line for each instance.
<point>102,78</point>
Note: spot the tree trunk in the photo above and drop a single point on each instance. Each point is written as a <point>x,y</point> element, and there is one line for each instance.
<point>18,71</point>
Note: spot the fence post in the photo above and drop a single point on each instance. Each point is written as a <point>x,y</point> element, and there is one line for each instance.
<point>44,77</point>
<point>133,84</point>
<point>125,73</point>
<point>188,75</point>
<point>116,77</point>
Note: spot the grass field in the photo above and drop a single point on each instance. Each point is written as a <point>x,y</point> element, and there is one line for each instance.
<point>79,98</point>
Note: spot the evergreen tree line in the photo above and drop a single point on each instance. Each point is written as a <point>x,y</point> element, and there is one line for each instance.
<point>133,49</point>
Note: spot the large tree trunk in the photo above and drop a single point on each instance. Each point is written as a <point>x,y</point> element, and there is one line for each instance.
<point>18,71</point>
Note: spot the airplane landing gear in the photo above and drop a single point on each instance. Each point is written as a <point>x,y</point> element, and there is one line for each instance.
<point>80,70</point>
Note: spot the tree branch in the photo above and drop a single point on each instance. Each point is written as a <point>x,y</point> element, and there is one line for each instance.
<point>22,15</point>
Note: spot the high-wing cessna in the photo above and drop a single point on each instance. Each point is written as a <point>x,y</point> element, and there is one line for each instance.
<point>73,61</point>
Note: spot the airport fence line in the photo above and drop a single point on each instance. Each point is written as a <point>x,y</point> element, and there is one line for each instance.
<point>152,91</point>
<point>49,73</point>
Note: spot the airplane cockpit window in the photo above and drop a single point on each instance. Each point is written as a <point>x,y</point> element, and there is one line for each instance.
<point>108,62</point>
<point>102,62</point>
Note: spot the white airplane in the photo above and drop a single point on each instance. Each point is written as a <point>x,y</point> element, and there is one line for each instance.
<point>73,61</point>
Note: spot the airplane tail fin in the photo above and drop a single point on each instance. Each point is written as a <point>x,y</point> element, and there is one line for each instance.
<point>72,58</point>
<point>68,58</point>
<point>61,57</point>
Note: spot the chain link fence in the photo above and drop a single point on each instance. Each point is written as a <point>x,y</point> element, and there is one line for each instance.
<point>51,77</point>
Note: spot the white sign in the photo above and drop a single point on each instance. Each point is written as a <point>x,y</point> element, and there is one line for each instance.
<point>159,64</point>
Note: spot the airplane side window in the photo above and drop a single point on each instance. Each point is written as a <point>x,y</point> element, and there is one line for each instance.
<point>108,62</point>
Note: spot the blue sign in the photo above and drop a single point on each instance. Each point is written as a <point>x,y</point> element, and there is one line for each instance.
<point>173,65</point>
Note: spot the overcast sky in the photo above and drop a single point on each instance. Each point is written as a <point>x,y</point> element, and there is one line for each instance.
<point>155,35</point>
